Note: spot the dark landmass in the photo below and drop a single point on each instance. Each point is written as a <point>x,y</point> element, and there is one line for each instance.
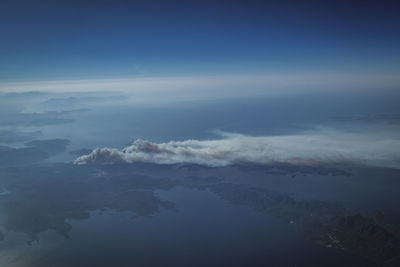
<point>283,169</point>
<point>45,197</point>
<point>357,234</point>
<point>246,169</point>
<point>325,223</point>
<point>279,205</point>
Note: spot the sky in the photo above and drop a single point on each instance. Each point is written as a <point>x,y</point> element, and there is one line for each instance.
<point>74,40</point>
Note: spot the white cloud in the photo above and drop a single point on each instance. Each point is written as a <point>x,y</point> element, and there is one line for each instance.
<point>318,147</point>
<point>172,89</point>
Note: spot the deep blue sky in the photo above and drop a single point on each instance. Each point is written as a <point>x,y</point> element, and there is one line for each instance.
<point>91,39</point>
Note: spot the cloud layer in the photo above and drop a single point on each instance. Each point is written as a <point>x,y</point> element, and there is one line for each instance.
<point>157,90</point>
<point>320,147</point>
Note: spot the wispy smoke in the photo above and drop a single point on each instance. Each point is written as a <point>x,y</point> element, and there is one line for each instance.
<point>322,147</point>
